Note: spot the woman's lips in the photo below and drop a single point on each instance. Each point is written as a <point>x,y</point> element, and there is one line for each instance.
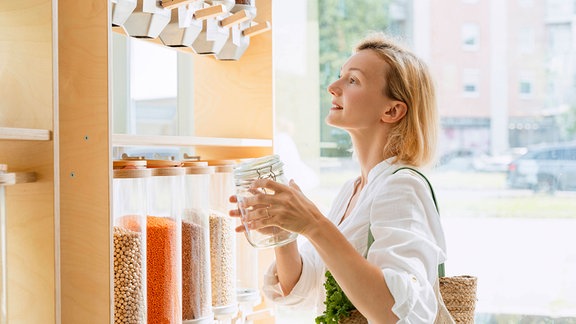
<point>335,107</point>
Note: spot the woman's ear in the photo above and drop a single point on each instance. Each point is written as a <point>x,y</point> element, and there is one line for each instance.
<point>395,112</point>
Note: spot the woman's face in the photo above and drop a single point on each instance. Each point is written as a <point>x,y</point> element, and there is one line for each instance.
<point>358,101</point>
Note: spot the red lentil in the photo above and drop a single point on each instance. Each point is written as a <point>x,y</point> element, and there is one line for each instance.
<point>164,303</point>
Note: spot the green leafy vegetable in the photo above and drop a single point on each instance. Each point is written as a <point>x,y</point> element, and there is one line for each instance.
<point>337,304</point>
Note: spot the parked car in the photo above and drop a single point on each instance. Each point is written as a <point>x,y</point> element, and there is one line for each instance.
<point>461,159</point>
<point>545,168</point>
<point>498,163</point>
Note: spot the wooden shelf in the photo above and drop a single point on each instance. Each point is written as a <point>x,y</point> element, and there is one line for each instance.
<point>25,134</point>
<point>148,140</point>
<point>16,178</point>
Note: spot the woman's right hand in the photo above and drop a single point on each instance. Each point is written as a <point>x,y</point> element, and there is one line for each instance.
<point>287,208</point>
<point>268,230</point>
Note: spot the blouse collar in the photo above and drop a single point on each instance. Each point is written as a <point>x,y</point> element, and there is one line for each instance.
<point>382,167</point>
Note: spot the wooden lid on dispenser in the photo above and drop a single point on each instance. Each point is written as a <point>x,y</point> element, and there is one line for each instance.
<point>194,163</point>
<point>129,164</point>
<point>166,167</point>
<point>163,164</point>
<point>197,167</point>
<point>130,168</point>
<point>222,166</point>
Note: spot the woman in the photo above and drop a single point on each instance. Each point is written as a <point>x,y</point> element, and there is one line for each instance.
<point>384,98</point>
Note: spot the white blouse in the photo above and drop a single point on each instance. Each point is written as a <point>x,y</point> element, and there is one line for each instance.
<point>408,244</point>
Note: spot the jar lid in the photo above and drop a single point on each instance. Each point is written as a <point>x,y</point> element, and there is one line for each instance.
<point>194,163</point>
<point>129,164</point>
<point>174,171</point>
<point>163,163</point>
<point>221,162</point>
<point>199,169</point>
<point>268,166</point>
<point>131,173</point>
<point>222,166</point>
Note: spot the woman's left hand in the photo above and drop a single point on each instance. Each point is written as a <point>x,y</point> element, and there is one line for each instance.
<point>287,207</point>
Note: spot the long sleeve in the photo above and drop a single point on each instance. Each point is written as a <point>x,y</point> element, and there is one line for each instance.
<point>309,290</point>
<point>408,244</point>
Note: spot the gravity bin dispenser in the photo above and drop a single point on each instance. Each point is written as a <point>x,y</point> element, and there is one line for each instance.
<point>220,28</point>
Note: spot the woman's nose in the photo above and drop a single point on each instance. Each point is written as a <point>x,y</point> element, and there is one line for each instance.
<point>332,89</point>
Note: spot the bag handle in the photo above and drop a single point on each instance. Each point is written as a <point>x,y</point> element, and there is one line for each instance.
<point>441,267</point>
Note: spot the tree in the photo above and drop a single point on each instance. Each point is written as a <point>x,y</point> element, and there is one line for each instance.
<point>342,24</point>
<point>567,121</point>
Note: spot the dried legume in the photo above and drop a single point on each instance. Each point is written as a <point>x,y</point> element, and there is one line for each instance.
<point>164,303</point>
<point>129,304</point>
<point>222,259</point>
<point>196,302</point>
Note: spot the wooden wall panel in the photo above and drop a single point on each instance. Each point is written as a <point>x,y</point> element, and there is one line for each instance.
<point>26,101</point>
<point>30,233</point>
<point>26,64</point>
<point>234,98</point>
<point>85,165</point>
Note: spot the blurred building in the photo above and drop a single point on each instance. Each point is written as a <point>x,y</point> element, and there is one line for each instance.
<point>505,70</point>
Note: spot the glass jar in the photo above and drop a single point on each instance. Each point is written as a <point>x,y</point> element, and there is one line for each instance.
<point>196,280</point>
<point>222,241</point>
<point>267,167</point>
<point>130,189</point>
<point>164,242</point>
<point>247,286</point>
<point>3,319</point>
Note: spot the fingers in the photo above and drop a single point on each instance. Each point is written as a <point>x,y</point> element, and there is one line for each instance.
<point>268,184</point>
<point>235,212</point>
<point>250,214</point>
<point>261,224</point>
<point>263,192</point>
<point>293,184</point>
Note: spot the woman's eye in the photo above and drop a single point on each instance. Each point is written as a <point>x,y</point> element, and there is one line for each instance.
<point>352,81</point>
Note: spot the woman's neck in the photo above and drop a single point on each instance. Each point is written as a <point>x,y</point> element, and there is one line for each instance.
<point>370,152</point>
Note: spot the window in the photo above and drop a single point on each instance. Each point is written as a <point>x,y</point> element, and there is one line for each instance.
<point>470,81</point>
<point>525,86</point>
<point>560,9</point>
<point>506,236</point>
<point>470,37</point>
<point>526,3</point>
<point>526,40</point>
<point>150,99</point>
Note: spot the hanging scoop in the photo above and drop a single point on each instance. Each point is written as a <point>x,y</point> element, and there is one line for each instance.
<point>147,20</point>
<point>216,31</point>
<point>186,23</point>
<point>121,10</point>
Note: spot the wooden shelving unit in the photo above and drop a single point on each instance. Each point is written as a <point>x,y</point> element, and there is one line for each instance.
<point>185,141</point>
<point>25,134</point>
<point>56,111</point>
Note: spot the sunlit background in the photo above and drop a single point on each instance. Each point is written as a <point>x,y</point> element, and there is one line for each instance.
<point>505,72</point>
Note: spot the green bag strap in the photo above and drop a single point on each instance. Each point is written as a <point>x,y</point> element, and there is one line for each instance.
<point>441,268</point>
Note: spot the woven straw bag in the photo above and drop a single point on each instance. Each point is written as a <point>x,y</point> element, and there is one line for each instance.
<point>456,298</point>
<point>355,317</point>
<point>458,294</point>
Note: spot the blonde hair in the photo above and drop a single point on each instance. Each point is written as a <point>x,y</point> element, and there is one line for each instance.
<point>413,139</point>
